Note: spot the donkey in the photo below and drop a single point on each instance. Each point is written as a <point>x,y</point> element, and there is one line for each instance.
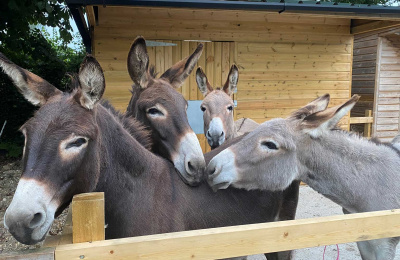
<point>217,108</point>
<point>162,109</point>
<point>358,174</point>
<point>219,126</point>
<point>76,143</point>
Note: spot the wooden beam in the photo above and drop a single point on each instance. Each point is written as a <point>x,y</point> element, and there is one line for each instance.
<point>368,126</point>
<point>373,26</point>
<point>361,120</point>
<point>90,15</point>
<point>242,240</point>
<point>88,217</point>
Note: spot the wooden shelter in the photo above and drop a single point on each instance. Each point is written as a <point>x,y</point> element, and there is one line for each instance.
<point>376,77</point>
<point>287,53</point>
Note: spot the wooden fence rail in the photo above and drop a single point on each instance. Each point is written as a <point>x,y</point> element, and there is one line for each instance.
<point>367,121</point>
<point>230,241</point>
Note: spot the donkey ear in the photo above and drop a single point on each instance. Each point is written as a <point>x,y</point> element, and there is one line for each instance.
<point>177,74</point>
<point>319,122</point>
<point>230,86</point>
<point>35,89</point>
<point>317,105</point>
<point>138,62</point>
<point>92,82</point>
<point>202,82</point>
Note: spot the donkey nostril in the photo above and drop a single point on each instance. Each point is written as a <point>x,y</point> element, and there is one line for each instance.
<point>222,133</point>
<point>36,220</point>
<point>208,134</point>
<point>191,168</point>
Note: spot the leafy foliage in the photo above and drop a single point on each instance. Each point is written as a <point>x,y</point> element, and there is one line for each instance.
<point>34,49</point>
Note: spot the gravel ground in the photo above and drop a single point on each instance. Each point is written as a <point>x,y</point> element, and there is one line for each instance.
<point>311,205</point>
<point>10,173</point>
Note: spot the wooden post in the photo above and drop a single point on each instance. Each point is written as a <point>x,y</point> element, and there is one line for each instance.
<point>367,126</point>
<point>88,217</point>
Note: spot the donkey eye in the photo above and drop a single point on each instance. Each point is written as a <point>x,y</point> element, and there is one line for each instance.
<point>230,108</point>
<point>270,145</point>
<point>77,143</point>
<point>154,111</point>
<point>203,108</point>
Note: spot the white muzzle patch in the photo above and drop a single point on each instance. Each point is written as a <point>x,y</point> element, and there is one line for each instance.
<point>222,171</point>
<point>216,132</point>
<point>30,199</point>
<point>190,159</point>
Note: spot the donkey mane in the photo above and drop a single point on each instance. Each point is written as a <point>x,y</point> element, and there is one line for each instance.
<point>134,127</point>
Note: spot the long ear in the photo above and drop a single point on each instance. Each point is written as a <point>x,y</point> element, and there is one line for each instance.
<point>91,80</point>
<point>317,105</point>
<point>230,86</point>
<point>202,82</point>
<point>138,62</point>
<point>35,89</point>
<point>177,74</point>
<point>327,119</point>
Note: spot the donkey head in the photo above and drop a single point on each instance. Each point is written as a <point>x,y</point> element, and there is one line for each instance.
<point>59,157</point>
<point>157,104</point>
<point>267,158</point>
<point>217,107</point>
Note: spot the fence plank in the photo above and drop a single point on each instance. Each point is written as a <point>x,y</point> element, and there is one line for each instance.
<point>88,217</point>
<point>242,240</point>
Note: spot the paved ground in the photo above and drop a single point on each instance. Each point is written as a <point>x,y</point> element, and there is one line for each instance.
<point>311,205</point>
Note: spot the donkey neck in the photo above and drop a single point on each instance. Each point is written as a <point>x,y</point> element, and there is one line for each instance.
<point>356,173</point>
<point>120,150</point>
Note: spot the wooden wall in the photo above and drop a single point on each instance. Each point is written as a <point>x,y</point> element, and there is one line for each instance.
<point>284,60</point>
<point>387,95</point>
<point>364,67</point>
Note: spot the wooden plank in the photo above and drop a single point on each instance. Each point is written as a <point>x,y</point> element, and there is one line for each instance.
<point>210,62</point>
<point>368,126</point>
<point>364,51</point>
<point>30,254</point>
<point>117,13</point>
<point>217,65</point>
<point>177,56</point>
<point>373,26</point>
<point>293,47</point>
<point>88,217</point>
<point>295,66</point>
<point>275,85</point>
<point>365,44</point>
<point>185,52</point>
<point>90,15</point>
<point>176,25</point>
<point>160,56</point>
<point>242,240</point>
<point>192,77</point>
<point>225,63</point>
<point>300,75</point>
<point>361,120</point>
<point>264,57</point>
<point>377,84</point>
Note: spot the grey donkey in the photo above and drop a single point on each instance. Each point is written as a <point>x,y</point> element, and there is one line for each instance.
<point>360,175</point>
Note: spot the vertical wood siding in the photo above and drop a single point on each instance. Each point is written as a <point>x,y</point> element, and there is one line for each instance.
<point>387,95</point>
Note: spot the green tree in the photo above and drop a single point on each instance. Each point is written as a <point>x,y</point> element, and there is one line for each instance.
<point>24,41</point>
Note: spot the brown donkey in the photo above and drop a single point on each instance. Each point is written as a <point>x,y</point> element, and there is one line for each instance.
<point>76,144</point>
<point>219,127</point>
<point>217,108</point>
<point>162,109</point>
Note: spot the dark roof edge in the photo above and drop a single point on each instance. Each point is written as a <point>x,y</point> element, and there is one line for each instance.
<point>77,14</point>
<point>245,5</point>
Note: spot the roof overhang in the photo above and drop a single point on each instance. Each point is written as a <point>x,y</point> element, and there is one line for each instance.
<point>351,11</point>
